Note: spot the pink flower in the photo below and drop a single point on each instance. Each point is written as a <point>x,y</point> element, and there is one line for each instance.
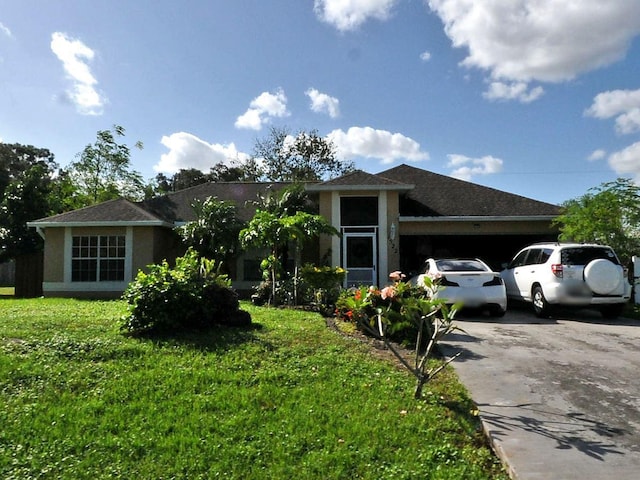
<point>388,292</point>
<point>397,276</point>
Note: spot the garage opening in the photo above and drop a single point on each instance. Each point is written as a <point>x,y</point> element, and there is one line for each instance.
<point>494,250</point>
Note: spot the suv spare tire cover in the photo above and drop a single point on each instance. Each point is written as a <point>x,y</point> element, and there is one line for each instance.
<point>602,276</point>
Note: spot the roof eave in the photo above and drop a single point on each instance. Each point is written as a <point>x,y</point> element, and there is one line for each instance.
<point>125,223</point>
<point>478,218</point>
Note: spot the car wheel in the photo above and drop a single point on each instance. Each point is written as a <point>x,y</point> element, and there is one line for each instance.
<point>602,276</point>
<point>540,305</point>
<point>612,311</point>
<point>497,311</point>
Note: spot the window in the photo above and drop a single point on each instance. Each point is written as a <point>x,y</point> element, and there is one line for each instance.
<point>98,258</point>
<point>358,211</point>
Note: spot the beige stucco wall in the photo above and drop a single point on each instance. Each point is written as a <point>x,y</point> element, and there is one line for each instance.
<point>324,244</point>
<point>54,255</point>
<point>393,244</point>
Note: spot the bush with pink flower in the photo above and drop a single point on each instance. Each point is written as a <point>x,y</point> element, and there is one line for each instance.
<point>403,312</point>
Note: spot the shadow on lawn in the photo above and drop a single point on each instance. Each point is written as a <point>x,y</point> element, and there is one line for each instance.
<point>213,339</point>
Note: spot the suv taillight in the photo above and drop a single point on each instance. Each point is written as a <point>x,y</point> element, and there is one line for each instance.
<point>556,268</point>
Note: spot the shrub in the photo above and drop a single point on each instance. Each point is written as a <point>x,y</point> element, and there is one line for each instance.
<point>284,293</point>
<point>193,295</point>
<point>326,283</point>
<point>398,309</point>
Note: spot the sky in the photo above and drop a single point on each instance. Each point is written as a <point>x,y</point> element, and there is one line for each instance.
<point>535,97</point>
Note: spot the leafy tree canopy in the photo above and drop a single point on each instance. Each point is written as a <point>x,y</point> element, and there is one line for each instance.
<point>300,158</point>
<point>214,233</point>
<point>103,169</point>
<point>27,178</point>
<point>608,214</point>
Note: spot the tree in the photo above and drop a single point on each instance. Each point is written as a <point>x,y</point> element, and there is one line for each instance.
<point>214,233</point>
<point>103,169</point>
<point>300,158</point>
<point>608,214</point>
<point>27,177</point>
<point>187,177</point>
<point>273,231</point>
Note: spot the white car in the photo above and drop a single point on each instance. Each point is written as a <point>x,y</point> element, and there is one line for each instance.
<point>568,274</point>
<point>468,281</point>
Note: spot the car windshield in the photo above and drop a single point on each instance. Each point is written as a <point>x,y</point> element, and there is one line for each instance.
<point>460,266</point>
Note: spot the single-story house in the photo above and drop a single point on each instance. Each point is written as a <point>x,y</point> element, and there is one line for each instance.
<point>392,220</point>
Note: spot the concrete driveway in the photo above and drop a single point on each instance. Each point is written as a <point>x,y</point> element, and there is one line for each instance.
<point>559,398</point>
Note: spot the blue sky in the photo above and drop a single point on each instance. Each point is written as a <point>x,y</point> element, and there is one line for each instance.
<point>535,97</point>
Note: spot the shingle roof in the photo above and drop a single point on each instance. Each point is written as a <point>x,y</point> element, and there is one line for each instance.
<point>424,194</point>
<point>119,210</point>
<point>439,195</point>
<point>359,178</point>
<point>176,206</point>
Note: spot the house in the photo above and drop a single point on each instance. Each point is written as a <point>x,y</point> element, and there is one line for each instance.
<point>388,221</point>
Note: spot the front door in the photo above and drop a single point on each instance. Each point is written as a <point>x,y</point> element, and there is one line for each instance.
<point>359,258</point>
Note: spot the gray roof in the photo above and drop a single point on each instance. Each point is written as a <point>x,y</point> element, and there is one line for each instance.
<point>360,180</point>
<point>423,194</point>
<point>120,211</point>
<point>176,206</point>
<point>440,195</point>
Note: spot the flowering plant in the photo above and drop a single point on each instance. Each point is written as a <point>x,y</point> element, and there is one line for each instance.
<point>402,307</point>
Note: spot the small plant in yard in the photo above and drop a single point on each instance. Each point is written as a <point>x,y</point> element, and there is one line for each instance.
<point>381,313</point>
<point>192,295</point>
<point>326,283</point>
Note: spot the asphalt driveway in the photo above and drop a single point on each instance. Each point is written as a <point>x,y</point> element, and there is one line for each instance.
<point>559,398</point>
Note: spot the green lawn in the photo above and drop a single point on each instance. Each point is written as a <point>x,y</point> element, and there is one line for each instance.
<point>288,398</point>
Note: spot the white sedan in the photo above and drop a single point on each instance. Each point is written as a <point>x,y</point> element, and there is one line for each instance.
<point>467,281</point>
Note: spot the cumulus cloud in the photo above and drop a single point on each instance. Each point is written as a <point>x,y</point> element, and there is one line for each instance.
<point>627,161</point>
<point>465,167</point>
<point>262,109</point>
<point>367,142</point>
<point>350,14</point>
<point>425,56</point>
<point>75,57</point>
<point>624,105</point>
<point>513,91</point>
<point>188,151</point>
<point>323,103</point>
<point>4,30</point>
<point>539,40</point>
<point>598,154</point>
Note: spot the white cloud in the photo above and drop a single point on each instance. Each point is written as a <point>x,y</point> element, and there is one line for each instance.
<point>75,56</point>
<point>371,143</point>
<point>466,167</point>
<point>513,91</point>
<point>425,56</point>
<point>5,30</point>
<point>598,154</point>
<point>323,103</point>
<point>262,109</point>
<point>627,161</point>
<point>350,14</point>
<point>539,40</point>
<point>622,104</point>
<point>188,151</point>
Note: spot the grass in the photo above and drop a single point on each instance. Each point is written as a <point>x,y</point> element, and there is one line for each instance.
<point>287,398</point>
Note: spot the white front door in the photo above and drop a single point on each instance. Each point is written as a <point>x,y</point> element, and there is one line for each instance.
<point>359,258</point>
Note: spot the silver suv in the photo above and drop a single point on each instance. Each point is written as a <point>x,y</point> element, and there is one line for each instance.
<point>568,274</point>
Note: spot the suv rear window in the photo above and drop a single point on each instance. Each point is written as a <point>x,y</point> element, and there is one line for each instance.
<point>583,255</point>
